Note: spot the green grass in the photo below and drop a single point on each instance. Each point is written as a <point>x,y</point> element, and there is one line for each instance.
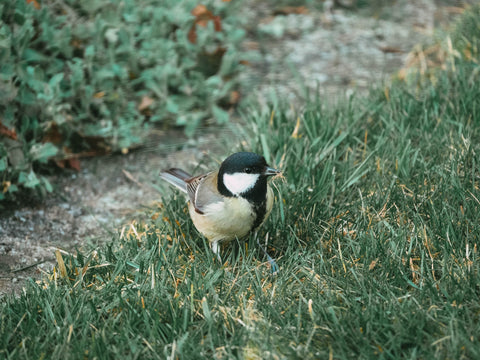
<point>375,229</point>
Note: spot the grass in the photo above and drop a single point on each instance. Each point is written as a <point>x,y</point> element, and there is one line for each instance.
<point>375,229</point>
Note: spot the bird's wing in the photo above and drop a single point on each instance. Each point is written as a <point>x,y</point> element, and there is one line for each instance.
<point>202,191</point>
<point>176,177</point>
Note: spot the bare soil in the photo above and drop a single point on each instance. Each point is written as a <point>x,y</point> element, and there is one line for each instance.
<point>338,51</point>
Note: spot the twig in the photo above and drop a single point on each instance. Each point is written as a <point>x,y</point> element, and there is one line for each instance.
<point>30,266</point>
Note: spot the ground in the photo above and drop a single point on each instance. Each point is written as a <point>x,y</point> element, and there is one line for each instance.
<point>337,51</point>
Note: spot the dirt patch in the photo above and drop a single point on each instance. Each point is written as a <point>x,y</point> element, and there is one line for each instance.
<point>90,207</point>
<point>337,51</point>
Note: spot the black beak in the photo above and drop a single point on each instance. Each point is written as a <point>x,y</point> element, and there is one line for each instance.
<point>269,171</point>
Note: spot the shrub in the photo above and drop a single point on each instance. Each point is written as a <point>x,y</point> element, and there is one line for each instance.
<point>94,75</point>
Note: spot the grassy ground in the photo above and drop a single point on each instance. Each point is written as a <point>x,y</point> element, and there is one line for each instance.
<point>375,229</point>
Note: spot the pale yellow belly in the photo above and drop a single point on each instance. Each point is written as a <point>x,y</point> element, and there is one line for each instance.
<point>224,221</point>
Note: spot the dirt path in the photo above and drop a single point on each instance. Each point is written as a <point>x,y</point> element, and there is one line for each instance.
<point>338,51</point>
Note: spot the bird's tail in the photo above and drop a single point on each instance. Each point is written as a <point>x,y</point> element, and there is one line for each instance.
<point>176,177</point>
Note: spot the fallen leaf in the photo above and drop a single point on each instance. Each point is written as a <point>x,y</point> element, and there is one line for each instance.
<point>12,134</point>
<point>60,163</point>
<point>131,177</point>
<point>35,3</point>
<point>6,186</point>
<point>74,164</point>
<point>53,134</point>
<point>70,163</point>
<point>286,10</point>
<point>76,43</point>
<point>234,97</point>
<point>145,103</point>
<point>202,17</point>
<point>390,49</point>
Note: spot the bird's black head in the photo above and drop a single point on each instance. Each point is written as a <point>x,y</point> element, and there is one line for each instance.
<point>243,162</point>
<point>245,174</point>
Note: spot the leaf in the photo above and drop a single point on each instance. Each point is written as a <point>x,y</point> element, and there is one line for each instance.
<point>90,51</point>
<point>47,184</point>
<point>234,97</point>
<point>390,49</point>
<point>12,134</point>
<point>12,188</point>
<point>286,10</point>
<point>202,17</point>
<point>111,35</point>
<point>5,38</point>
<point>70,163</point>
<point>43,152</point>
<point>30,55</point>
<point>3,164</point>
<point>145,103</point>
<point>29,180</point>
<point>172,107</point>
<point>53,135</point>
<point>55,80</point>
<point>35,3</point>
<point>74,164</point>
<point>220,115</point>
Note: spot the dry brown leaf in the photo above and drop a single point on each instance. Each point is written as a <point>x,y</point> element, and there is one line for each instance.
<point>53,135</point>
<point>390,49</point>
<point>12,134</point>
<point>202,17</point>
<point>286,10</point>
<point>234,97</point>
<point>145,103</point>
<point>35,3</point>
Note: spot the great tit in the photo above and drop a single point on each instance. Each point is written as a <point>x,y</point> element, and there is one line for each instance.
<point>231,202</point>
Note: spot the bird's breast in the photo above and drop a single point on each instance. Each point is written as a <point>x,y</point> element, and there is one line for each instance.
<point>232,217</point>
<point>228,219</point>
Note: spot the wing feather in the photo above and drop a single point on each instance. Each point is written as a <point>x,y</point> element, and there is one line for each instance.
<point>202,191</point>
<point>176,177</point>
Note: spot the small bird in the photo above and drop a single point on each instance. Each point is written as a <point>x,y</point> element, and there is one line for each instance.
<point>231,202</point>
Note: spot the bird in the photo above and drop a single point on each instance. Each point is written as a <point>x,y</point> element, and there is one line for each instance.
<point>231,202</point>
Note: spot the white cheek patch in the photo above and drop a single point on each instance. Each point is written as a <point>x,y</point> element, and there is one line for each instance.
<point>239,183</point>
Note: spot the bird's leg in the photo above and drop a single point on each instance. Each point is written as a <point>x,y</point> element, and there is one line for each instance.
<point>272,262</point>
<point>216,250</point>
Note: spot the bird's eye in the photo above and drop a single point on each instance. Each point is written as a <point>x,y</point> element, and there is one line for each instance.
<point>248,170</point>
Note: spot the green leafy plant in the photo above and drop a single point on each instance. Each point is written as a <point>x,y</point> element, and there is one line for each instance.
<point>94,76</point>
